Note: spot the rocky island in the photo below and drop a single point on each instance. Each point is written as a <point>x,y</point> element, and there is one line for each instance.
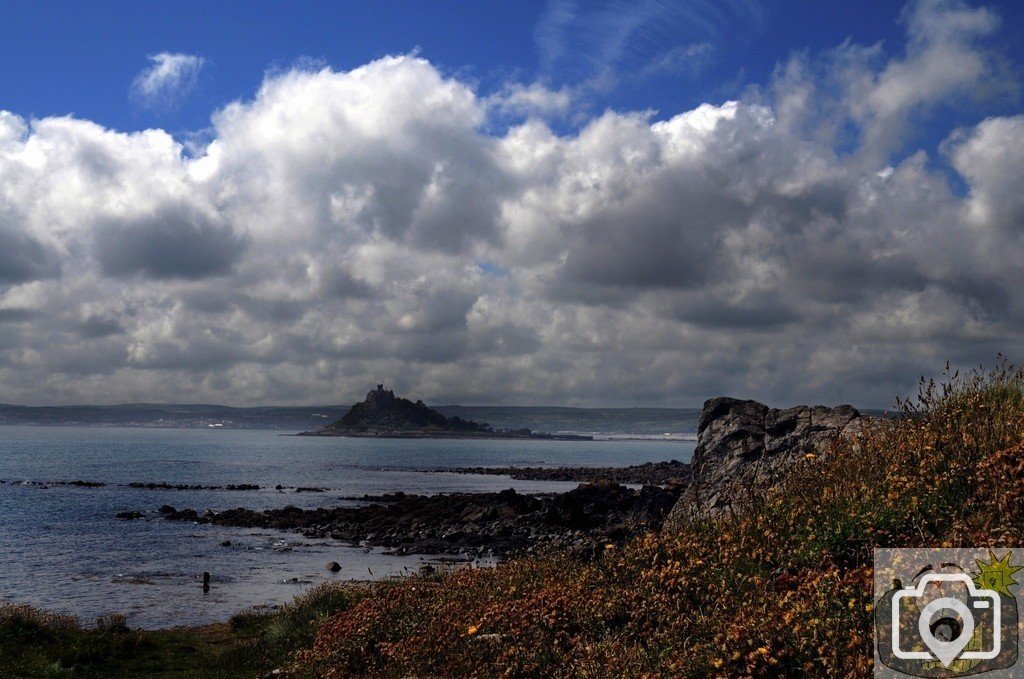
<point>382,414</point>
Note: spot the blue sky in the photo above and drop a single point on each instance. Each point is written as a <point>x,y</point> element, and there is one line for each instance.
<point>80,58</point>
<point>562,202</point>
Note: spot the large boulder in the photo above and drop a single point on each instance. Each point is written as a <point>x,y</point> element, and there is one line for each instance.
<point>744,444</point>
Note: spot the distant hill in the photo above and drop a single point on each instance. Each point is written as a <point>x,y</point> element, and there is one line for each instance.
<point>612,421</point>
<point>173,415</point>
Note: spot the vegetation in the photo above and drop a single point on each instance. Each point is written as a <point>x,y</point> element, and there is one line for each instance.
<point>781,588</point>
<point>38,644</point>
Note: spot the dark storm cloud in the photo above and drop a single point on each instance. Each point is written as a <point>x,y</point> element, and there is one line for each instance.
<point>763,310</point>
<point>173,242</point>
<point>664,236</point>
<point>17,315</point>
<point>96,327</point>
<point>23,258</point>
<point>341,284</point>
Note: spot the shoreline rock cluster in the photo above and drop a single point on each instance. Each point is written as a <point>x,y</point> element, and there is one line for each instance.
<point>55,484</point>
<point>649,473</point>
<point>477,524</point>
<point>184,486</point>
<point>741,445</point>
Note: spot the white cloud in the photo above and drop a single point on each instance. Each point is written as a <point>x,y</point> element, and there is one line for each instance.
<point>169,80</point>
<point>991,158</point>
<point>535,99</point>
<point>331,235</point>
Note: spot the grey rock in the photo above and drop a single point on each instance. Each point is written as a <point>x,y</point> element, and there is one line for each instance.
<point>745,444</point>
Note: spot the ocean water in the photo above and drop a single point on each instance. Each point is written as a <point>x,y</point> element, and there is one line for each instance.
<point>61,547</point>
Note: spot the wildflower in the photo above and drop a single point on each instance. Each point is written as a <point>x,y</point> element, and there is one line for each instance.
<point>810,456</point>
<point>471,630</point>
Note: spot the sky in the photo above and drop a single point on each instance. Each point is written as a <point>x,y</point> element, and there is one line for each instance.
<point>562,203</point>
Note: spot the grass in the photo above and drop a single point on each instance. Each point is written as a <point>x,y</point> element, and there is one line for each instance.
<point>38,644</point>
<point>781,588</point>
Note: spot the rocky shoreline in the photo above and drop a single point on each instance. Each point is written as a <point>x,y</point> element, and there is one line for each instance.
<point>476,524</point>
<point>649,473</point>
<point>742,445</point>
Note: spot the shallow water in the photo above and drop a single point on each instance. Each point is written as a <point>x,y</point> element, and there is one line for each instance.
<point>61,547</point>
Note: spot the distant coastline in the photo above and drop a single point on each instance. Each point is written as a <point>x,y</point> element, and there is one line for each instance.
<point>397,434</point>
<point>597,422</point>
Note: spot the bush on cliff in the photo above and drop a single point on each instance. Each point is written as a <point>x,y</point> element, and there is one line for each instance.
<point>782,587</point>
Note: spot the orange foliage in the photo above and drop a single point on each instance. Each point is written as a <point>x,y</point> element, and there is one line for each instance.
<point>781,588</point>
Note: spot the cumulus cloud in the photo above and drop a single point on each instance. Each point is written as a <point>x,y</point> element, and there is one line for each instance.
<point>991,157</point>
<point>517,99</point>
<point>169,80</point>
<point>343,228</point>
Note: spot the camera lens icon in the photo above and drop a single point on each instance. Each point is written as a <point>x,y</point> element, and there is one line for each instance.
<point>947,625</point>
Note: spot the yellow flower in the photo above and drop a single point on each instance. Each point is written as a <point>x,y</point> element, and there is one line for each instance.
<point>472,630</point>
<point>810,456</point>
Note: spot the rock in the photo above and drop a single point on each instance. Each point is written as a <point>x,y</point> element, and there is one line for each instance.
<point>334,566</point>
<point>226,543</point>
<point>745,444</point>
<point>660,473</point>
<point>128,516</point>
<point>383,412</point>
<point>498,524</point>
<point>167,509</point>
<point>186,515</point>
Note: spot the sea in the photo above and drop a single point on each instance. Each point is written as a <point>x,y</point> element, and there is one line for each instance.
<point>62,549</point>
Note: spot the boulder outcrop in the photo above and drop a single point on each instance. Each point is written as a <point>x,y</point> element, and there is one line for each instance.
<point>745,444</point>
